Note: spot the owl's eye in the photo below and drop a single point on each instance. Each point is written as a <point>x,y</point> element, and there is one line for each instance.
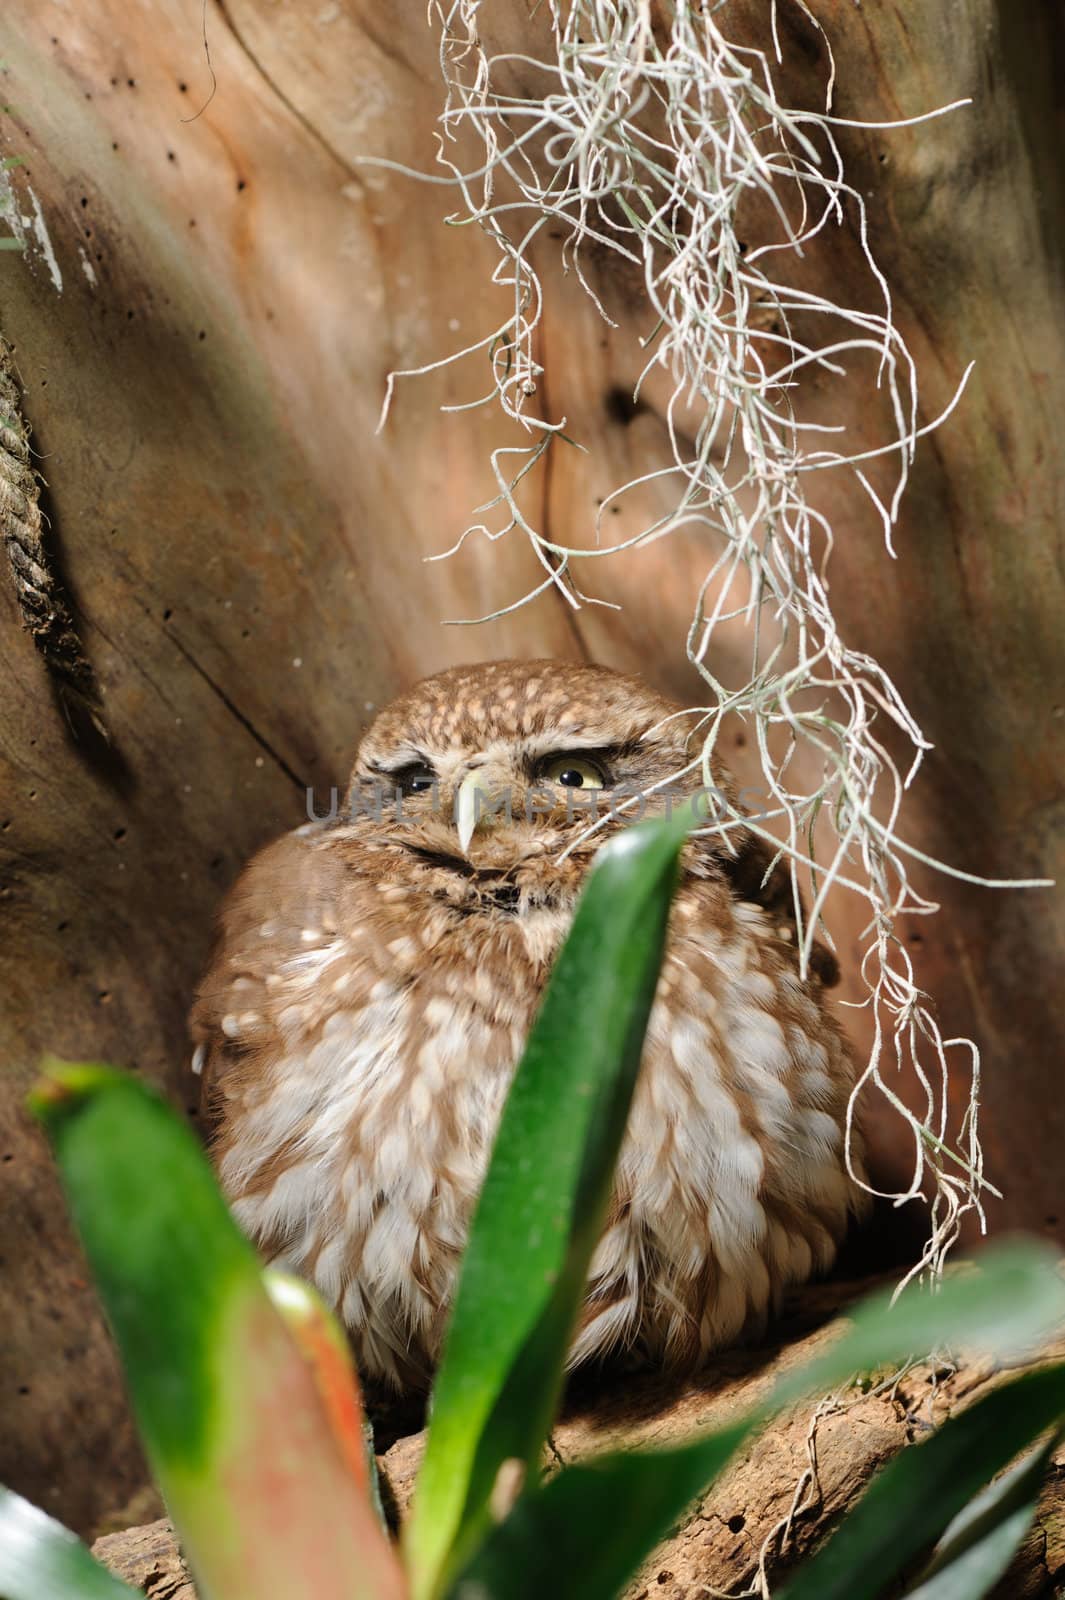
<point>574,772</point>
<point>418,778</point>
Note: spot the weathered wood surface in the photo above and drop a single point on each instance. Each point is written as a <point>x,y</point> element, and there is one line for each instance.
<point>149,1559</point>
<point>718,1543</point>
<point>203,323</point>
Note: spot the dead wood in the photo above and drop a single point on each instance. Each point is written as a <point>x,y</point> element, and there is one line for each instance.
<point>718,1544</point>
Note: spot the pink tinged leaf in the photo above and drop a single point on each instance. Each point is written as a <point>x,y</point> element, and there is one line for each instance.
<point>251,1444</point>
<point>299,1524</point>
<point>328,1357</point>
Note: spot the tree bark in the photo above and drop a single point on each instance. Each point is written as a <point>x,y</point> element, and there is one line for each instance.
<point>148,1558</point>
<point>212,294</point>
<point>718,1542</point>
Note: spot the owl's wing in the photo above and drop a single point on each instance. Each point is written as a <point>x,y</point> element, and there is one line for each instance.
<point>755,877</point>
<point>285,892</point>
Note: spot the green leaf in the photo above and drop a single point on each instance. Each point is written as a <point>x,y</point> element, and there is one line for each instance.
<point>584,1535</point>
<point>42,1560</point>
<point>246,1450</point>
<point>589,1529</point>
<point>982,1540</point>
<point>914,1498</point>
<point>542,1206</point>
<point>1010,1300</point>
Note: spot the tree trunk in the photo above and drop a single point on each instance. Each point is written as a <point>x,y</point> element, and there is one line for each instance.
<point>211,297</point>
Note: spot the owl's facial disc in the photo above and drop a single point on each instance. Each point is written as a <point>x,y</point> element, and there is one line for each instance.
<point>505,767</point>
<point>546,784</point>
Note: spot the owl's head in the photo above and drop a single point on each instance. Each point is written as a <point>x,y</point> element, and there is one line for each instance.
<point>496,765</point>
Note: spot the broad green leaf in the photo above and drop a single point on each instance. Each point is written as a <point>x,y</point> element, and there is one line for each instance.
<point>42,1560</point>
<point>914,1498</point>
<point>543,1201</point>
<point>1011,1299</point>
<point>977,1570</point>
<point>245,1452</point>
<point>584,1534</point>
<point>607,1515</point>
<point>982,1540</point>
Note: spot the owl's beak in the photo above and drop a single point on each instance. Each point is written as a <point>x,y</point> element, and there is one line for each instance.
<point>473,802</point>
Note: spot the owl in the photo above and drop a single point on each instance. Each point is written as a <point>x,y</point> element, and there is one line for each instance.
<point>374,980</point>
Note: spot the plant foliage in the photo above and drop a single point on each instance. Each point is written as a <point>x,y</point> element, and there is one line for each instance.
<point>250,1412</point>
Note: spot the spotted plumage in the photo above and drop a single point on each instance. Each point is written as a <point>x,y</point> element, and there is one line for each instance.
<point>374,981</point>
